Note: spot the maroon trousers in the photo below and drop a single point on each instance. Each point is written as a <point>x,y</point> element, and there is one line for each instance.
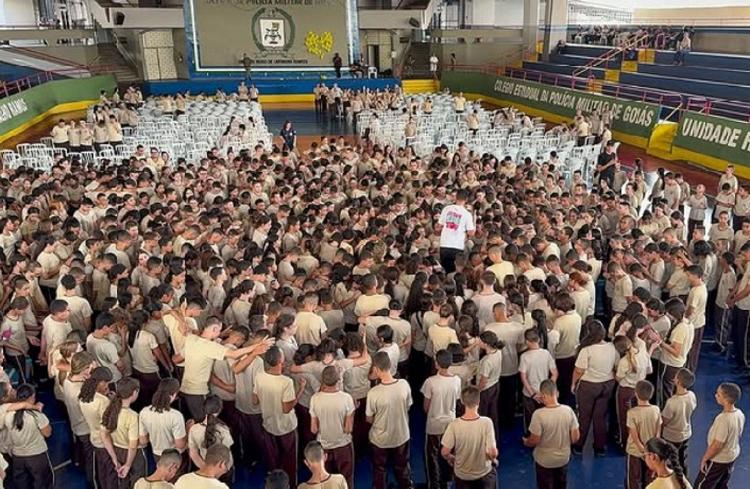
<point>341,461</point>
<point>282,454</point>
<point>637,475</point>
<point>488,481</point>
<point>401,467</point>
<point>695,350</point>
<point>715,477</point>
<point>565,368</point>
<point>252,438</point>
<point>149,383</point>
<point>556,478</point>
<point>489,405</point>
<point>529,406</point>
<point>593,399</point>
<point>625,396</point>
<point>438,470</point>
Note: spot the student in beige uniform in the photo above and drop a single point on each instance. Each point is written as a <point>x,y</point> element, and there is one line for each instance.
<point>724,438</point>
<point>166,470</point>
<point>552,430</point>
<point>536,366</point>
<point>316,459</point>
<point>675,346</point>
<point>81,365</point>
<point>676,417</point>
<point>332,420</point>
<point>200,352</point>
<point>119,433</point>
<point>488,376</point>
<point>93,401</point>
<point>163,426</point>
<point>27,430</point>
<point>568,325</point>
<point>469,446</point>
<point>441,393</point>
<point>370,301</point>
<point>209,432</point>
<point>310,327</point>
<point>387,410</point>
<point>274,393</point>
<point>593,385</point>
<point>644,423</point>
<point>218,462</point>
<point>696,304</point>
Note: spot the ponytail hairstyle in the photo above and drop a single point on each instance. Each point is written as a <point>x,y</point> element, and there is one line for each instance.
<point>516,298</point>
<point>667,453</point>
<point>675,310</point>
<point>162,398</point>
<point>490,339</point>
<point>416,292</point>
<point>126,387</point>
<point>212,405</point>
<point>25,392</point>
<point>595,334</point>
<point>91,385</point>
<point>242,288</point>
<point>67,350</point>
<point>630,311</point>
<point>540,318</point>
<point>624,346</point>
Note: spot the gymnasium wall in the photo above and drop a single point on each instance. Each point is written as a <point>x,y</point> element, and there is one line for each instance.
<point>20,111</point>
<point>278,33</point>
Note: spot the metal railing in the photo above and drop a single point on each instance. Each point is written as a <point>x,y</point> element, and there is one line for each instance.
<point>44,56</point>
<point>19,85</point>
<point>611,55</point>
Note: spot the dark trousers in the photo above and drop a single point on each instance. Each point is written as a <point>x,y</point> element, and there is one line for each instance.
<point>637,475</point>
<point>625,396</point>
<point>556,478</point>
<point>341,461</point>
<point>361,429</point>
<point>137,470</point>
<point>739,336</point>
<point>194,405</point>
<point>695,350</point>
<point>303,425</point>
<point>723,326</point>
<point>667,381</point>
<point>509,388</point>
<point>489,400</point>
<point>34,472</point>
<point>715,477</point>
<point>106,476</point>
<point>149,383</point>
<point>593,399</point>
<point>737,222</point>
<point>682,447</point>
<point>448,259</point>
<point>489,481</point>
<point>529,406</point>
<point>282,454</point>
<point>401,467</point>
<point>565,368</point>
<point>83,456</point>
<point>437,468</point>
<point>252,438</point>
<point>232,419</point>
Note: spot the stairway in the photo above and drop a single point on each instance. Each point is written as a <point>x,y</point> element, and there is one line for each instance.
<point>121,69</point>
<point>420,51</point>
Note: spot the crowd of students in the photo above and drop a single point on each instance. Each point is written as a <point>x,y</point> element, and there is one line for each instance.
<point>267,305</point>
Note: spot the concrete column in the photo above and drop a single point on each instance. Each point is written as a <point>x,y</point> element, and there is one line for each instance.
<point>530,24</point>
<point>555,25</point>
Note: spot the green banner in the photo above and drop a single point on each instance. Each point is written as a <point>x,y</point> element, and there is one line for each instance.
<point>718,137</point>
<point>23,107</point>
<point>633,118</point>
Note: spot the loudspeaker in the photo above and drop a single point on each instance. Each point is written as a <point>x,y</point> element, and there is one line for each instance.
<point>414,23</point>
<point>119,18</point>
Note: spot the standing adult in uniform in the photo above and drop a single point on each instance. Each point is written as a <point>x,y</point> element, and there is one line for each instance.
<point>593,384</point>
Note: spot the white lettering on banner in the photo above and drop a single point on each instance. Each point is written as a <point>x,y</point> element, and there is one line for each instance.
<point>627,113</point>
<point>714,133</point>
<point>11,109</point>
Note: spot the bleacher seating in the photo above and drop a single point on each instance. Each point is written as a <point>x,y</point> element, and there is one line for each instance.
<point>724,77</point>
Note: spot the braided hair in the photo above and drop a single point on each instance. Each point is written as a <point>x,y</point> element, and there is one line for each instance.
<point>666,452</point>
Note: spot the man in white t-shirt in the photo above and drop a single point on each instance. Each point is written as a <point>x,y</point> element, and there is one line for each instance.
<point>455,223</point>
<point>433,66</point>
